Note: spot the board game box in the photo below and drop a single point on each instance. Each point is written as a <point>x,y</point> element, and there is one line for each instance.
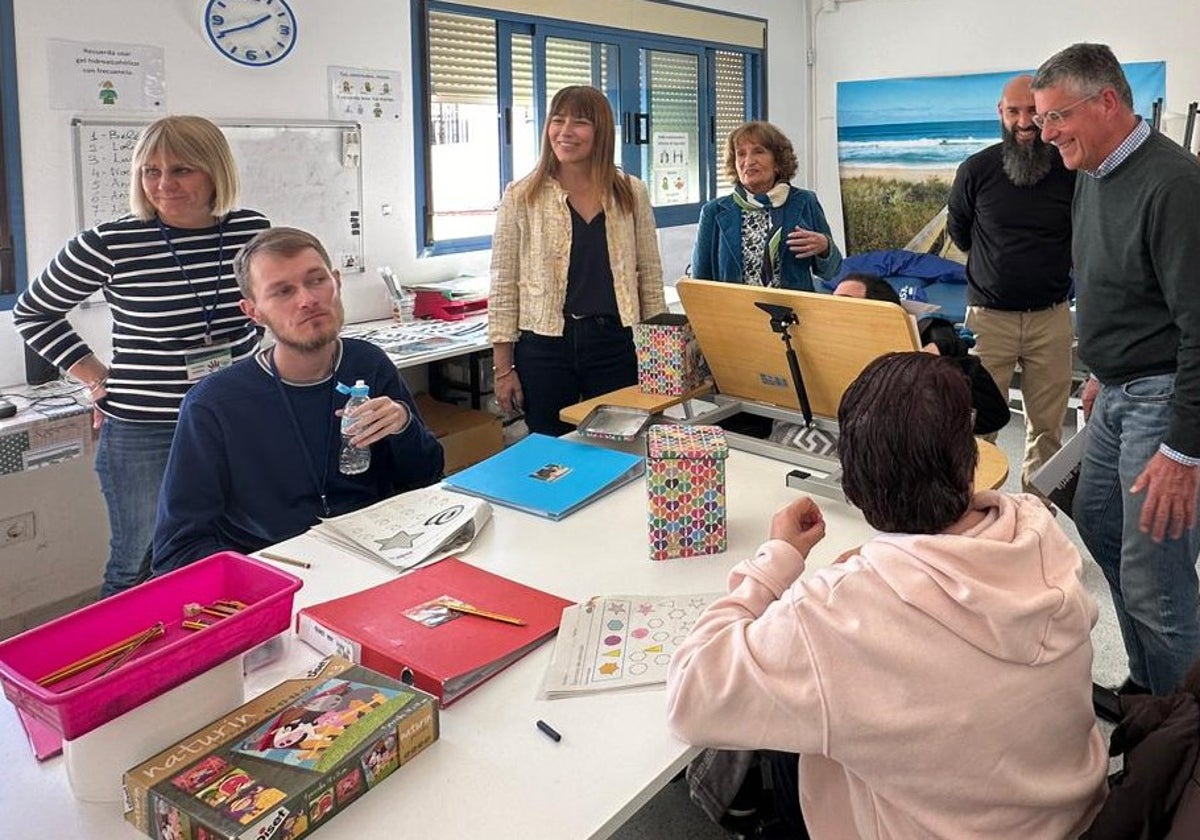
<point>282,765</point>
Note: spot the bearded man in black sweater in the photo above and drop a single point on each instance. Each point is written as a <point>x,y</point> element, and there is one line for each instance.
<point>1010,211</point>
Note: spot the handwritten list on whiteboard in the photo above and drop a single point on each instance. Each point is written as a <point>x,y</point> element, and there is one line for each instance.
<point>294,174</point>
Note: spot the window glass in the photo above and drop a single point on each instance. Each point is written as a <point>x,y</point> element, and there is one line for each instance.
<point>729,84</point>
<point>671,137</point>
<point>490,77</point>
<point>464,145</point>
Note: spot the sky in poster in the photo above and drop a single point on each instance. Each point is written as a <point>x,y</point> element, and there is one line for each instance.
<point>938,121</point>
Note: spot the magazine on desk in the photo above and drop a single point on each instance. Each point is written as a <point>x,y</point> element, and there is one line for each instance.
<point>548,476</point>
<point>620,641</point>
<point>409,528</point>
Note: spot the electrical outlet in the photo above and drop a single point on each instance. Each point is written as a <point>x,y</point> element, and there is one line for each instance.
<point>17,529</point>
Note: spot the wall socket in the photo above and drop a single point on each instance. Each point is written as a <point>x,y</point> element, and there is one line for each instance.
<point>17,529</point>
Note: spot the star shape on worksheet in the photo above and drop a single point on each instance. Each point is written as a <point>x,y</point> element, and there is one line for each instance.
<point>400,539</point>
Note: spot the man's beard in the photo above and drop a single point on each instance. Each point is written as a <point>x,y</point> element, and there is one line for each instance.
<point>1025,163</point>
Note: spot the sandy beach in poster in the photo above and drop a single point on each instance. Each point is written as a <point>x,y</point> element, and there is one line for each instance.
<point>911,174</point>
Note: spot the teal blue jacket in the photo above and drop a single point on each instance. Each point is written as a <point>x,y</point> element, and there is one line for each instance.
<point>717,254</point>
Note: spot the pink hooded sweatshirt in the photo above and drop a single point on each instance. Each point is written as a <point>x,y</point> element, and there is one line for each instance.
<point>936,686</point>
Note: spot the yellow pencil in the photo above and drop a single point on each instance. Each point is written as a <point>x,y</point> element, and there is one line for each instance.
<point>459,607</point>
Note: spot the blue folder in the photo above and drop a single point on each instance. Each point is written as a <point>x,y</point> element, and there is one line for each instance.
<point>548,476</point>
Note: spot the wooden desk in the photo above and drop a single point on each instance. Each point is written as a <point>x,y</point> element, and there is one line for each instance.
<point>992,470</point>
<point>492,773</point>
<point>631,397</point>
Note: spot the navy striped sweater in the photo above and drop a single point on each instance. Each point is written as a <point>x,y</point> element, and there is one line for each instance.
<point>158,317</point>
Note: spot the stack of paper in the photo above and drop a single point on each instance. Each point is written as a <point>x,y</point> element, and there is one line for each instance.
<point>458,288</point>
<point>408,529</point>
<point>620,641</point>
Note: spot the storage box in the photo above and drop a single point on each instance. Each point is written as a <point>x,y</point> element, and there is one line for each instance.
<point>685,478</point>
<point>283,764</point>
<point>669,360</point>
<point>81,703</point>
<point>468,436</point>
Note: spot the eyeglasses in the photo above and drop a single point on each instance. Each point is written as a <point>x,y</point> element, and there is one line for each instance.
<point>1057,116</point>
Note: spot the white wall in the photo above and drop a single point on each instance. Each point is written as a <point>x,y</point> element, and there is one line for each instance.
<point>872,39</point>
<point>69,553</point>
<point>363,33</point>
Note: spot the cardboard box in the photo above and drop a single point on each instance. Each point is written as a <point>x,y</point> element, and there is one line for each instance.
<point>685,480</point>
<point>467,435</point>
<point>283,764</point>
<point>669,360</point>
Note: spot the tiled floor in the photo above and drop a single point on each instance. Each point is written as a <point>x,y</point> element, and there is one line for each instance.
<point>671,814</point>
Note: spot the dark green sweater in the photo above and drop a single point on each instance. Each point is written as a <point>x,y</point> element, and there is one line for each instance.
<point>1136,246</point>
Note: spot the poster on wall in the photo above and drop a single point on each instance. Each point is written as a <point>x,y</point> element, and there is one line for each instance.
<point>362,95</point>
<point>900,142</point>
<point>669,168</point>
<point>95,76</point>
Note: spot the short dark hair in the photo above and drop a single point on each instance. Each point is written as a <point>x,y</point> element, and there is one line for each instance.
<point>1087,68</point>
<point>876,287</point>
<point>285,241</point>
<point>905,442</point>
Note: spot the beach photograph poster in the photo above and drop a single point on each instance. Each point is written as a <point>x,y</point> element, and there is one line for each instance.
<point>901,140</point>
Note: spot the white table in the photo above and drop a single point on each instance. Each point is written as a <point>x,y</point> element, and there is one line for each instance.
<point>412,344</point>
<point>492,773</point>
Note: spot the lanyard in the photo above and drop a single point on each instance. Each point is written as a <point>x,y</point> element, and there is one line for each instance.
<point>209,311</point>
<point>319,481</point>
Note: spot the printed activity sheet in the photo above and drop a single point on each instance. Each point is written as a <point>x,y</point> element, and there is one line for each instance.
<point>620,641</point>
<point>408,529</point>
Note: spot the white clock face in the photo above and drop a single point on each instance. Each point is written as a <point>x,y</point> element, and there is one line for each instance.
<point>251,32</point>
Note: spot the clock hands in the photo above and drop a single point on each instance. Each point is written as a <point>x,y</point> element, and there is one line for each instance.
<point>249,25</point>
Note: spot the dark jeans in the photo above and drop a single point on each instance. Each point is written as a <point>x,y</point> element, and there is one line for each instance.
<point>593,356</point>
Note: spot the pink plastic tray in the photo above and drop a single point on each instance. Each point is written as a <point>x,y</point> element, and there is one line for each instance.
<point>76,706</point>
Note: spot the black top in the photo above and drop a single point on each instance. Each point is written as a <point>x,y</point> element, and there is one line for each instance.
<point>991,406</point>
<point>1017,239</point>
<point>590,285</point>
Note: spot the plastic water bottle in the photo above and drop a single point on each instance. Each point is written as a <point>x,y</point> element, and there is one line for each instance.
<point>353,460</point>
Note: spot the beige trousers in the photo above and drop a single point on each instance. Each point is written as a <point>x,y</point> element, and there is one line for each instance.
<point>1041,343</point>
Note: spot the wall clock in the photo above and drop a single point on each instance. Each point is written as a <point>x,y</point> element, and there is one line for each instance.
<point>251,32</point>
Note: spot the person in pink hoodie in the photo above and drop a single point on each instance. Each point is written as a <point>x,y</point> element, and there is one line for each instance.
<point>936,681</point>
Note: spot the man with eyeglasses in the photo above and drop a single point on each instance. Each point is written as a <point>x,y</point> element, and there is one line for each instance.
<point>1136,247</point>
<point>1010,211</point>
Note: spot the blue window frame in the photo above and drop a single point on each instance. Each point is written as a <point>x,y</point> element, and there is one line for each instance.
<point>12,219</point>
<point>674,99</point>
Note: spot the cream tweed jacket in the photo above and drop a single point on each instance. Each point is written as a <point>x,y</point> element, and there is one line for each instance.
<point>531,250</point>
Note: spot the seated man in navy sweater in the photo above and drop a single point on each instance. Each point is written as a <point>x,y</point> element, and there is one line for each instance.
<point>255,455</point>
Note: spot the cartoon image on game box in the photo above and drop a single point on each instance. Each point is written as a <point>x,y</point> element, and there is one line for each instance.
<point>286,762</point>
<point>323,726</point>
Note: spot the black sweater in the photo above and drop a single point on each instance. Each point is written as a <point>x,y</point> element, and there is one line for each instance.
<point>1017,239</point>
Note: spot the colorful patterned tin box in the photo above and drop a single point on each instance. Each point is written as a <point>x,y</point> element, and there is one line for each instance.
<point>685,477</point>
<point>669,360</point>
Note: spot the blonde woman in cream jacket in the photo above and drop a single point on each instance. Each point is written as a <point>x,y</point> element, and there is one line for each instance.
<point>936,681</point>
<point>575,265</point>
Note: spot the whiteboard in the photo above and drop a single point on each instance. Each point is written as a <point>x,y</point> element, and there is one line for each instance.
<point>292,173</point>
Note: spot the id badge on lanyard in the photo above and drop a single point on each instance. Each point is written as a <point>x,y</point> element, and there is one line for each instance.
<point>205,360</point>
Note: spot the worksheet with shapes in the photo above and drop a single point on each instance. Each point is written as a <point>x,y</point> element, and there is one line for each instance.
<point>620,641</point>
